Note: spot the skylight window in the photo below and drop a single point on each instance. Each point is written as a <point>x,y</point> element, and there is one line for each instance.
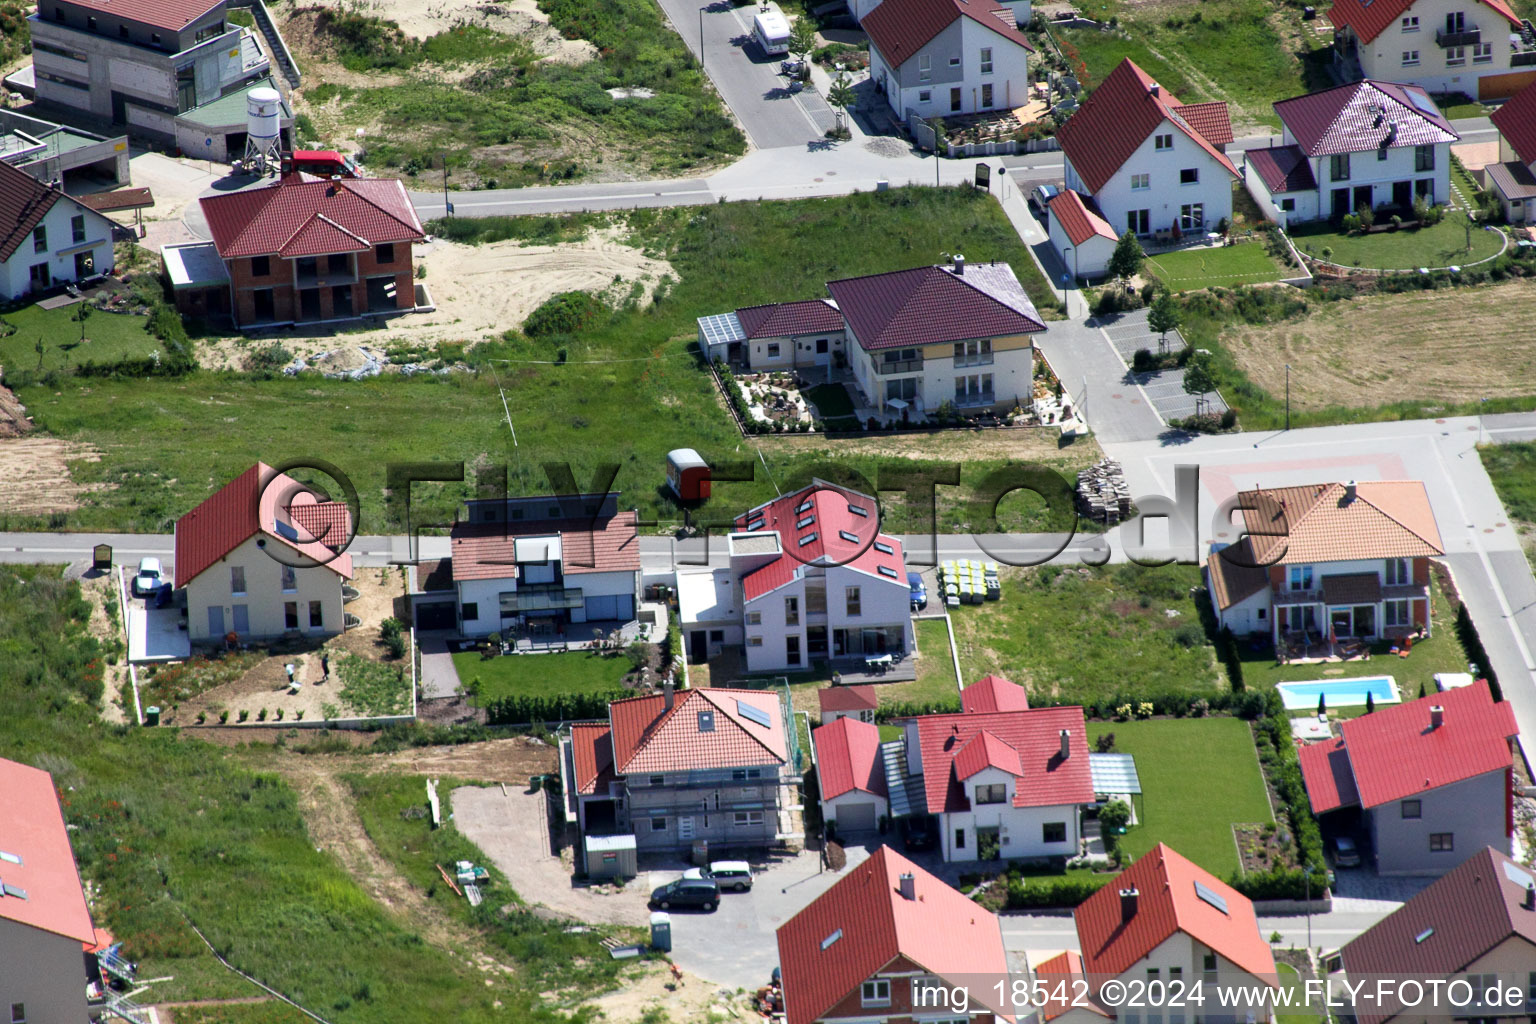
<point>830,939</point>
<point>851,538</point>
<point>807,539</point>
<point>11,890</point>
<point>1211,897</point>
<point>884,548</point>
<point>706,721</point>
<point>859,510</point>
<point>886,570</point>
<point>10,858</point>
<point>1426,933</point>
<point>754,526</point>
<point>804,506</point>
<point>803,523</point>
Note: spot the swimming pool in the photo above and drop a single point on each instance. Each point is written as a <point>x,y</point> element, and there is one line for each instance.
<point>1338,693</point>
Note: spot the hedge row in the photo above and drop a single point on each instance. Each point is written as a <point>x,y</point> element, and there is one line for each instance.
<point>520,710</point>
<point>1226,647</point>
<point>1248,705</point>
<point>1472,643</point>
<point>1032,893</point>
<point>1277,755</point>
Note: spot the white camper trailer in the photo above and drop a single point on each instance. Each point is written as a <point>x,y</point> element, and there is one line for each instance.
<point>771,30</point>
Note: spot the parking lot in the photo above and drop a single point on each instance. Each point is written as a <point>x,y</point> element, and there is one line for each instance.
<point>1128,332</point>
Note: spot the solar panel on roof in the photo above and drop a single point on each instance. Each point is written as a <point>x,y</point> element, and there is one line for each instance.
<point>1424,103</point>
<point>1215,900</point>
<point>721,328</point>
<point>753,713</point>
<point>1521,878</point>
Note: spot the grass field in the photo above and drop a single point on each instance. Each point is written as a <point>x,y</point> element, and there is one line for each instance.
<point>1191,269</point>
<point>1512,468</point>
<point>1199,777</point>
<point>543,675</point>
<point>374,687</point>
<point>1440,245</point>
<point>1440,348</point>
<point>1292,981</point>
<point>110,337</point>
<point>168,443</point>
<point>164,826</point>
<point>935,667</point>
<point>1089,635</point>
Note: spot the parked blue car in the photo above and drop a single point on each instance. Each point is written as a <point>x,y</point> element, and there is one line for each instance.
<point>919,590</point>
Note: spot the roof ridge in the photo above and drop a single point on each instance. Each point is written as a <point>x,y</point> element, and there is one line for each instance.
<point>404,195</point>
<point>338,227</point>
<point>269,193</point>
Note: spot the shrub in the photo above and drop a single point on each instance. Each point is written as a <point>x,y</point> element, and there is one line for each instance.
<point>268,359</point>
<point>1142,361</point>
<point>1472,644</point>
<point>837,857</point>
<point>1113,817</point>
<point>565,313</point>
<point>244,714</point>
<point>1051,892</point>
<point>1105,744</point>
<point>261,716</point>
<point>224,717</point>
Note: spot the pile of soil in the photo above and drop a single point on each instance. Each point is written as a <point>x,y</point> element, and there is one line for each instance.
<point>14,420</point>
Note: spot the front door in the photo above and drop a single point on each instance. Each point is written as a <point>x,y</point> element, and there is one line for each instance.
<point>685,827</point>
<point>792,650</point>
<point>1402,196</point>
<point>1340,203</point>
<point>1341,623</point>
<point>698,646</point>
<point>1364,197</point>
<point>816,641</point>
<point>216,621</point>
<point>85,265</point>
<point>242,618</point>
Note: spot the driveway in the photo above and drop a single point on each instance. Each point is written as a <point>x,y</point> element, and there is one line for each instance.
<point>746,78</point>
<point>1103,388</point>
<point>438,676</point>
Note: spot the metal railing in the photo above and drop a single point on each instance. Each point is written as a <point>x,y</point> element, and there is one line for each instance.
<point>890,366</point>
<point>1466,37</point>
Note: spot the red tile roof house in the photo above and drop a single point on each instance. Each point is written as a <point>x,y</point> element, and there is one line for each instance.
<point>1080,234</point>
<point>1476,923</point>
<point>1005,784</point>
<point>1432,778</point>
<point>1512,178</point>
<point>307,251</point>
<point>874,946</point>
<point>938,58</point>
<point>818,582</point>
<point>262,558</point>
<point>1325,563</point>
<point>1166,919</point>
<point>708,765</point>
<point>1155,167</point>
<point>1475,47</point>
<point>857,702</point>
<point>44,919</point>
<point>850,773</point>
<point>1373,144</point>
<point>552,568</point>
<point>46,237</point>
<point>916,339</point>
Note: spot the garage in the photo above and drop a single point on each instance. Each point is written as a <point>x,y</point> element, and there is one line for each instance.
<point>613,607</point>
<point>856,817</point>
<point>436,615</point>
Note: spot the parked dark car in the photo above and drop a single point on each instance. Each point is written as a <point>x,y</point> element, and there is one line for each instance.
<point>687,892</point>
<point>919,590</point>
<point>920,832</point>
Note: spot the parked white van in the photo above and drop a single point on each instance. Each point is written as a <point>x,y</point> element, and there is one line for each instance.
<point>771,30</point>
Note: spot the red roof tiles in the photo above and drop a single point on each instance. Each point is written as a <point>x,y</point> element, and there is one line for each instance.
<point>172,14</point>
<point>1119,115</point>
<point>1364,116</point>
<point>24,201</point>
<point>649,738</point>
<point>848,758</point>
<point>1516,121</point>
<point>823,535</point>
<point>862,924</point>
<point>1283,169</point>
<point>899,29</point>
<point>256,501</point>
<point>935,305</point>
<point>847,698</point>
<point>983,751</point>
<point>294,218</point>
<point>1078,219</point>
<point>1395,753</point>
<point>1060,973</point>
<point>1368,18</point>
<point>1166,903</point>
<point>1212,120</point>
<point>1459,918</point>
<point>32,828</point>
<point>993,693</point>
<point>1047,779</point>
<point>592,752</point>
<point>487,551</point>
<point>1320,523</point>
<point>1234,575</point>
<point>781,319</point>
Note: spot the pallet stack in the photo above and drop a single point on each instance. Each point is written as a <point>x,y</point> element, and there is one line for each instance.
<point>1102,493</point>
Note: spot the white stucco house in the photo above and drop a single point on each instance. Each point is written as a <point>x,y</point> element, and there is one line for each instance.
<point>1379,145</point>
<point>263,558</point>
<point>1080,234</point>
<point>850,775</point>
<point>939,58</point>
<point>548,566</point>
<point>1479,48</point>
<point>47,237</point>
<point>1154,166</point>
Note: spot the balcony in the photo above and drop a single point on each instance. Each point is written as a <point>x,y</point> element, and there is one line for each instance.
<point>890,366</point>
<point>541,598</point>
<point>1523,59</point>
<point>985,359</point>
<point>1466,37</point>
<point>975,399</point>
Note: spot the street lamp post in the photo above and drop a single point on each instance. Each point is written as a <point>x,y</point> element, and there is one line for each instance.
<point>701,38</point>
<point>1307,873</point>
<point>1287,396</point>
<point>1480,404</point>
<point>1065,277</point>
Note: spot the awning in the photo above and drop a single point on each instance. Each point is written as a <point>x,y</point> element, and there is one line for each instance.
<point>1114,773</point>
<point>1352,588</point>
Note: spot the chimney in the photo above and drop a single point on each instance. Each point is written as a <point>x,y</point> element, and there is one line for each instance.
<point>1128,903</point>
<point>666,692</point>
<point>959,264</point>
<point>1066,744</point>
<point>1349,493</point>
<point>1530,896</point>
<point>1436,716</point>
<point>1155,89</point>
<point>908,886</point>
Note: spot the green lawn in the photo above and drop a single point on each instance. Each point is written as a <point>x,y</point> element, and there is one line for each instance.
<point>373,688</point>
<point>1440,245</point>
<point>1441,652</point>
<point>169,442</point>
<point>1199,777</point>
<point>1090,634</point>
<point>1512,468</point>
<point>540,675</point>
<point>110,337</point>
<point>935,667</point>
<point>1291,979</point>
<point>1190,269</point>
